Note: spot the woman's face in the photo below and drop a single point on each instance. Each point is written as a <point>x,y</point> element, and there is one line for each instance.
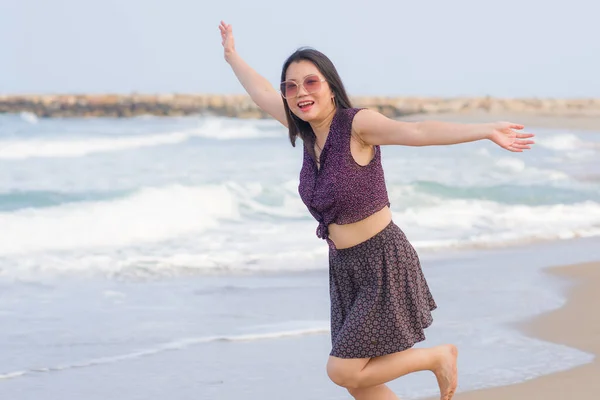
<point>308,106</point>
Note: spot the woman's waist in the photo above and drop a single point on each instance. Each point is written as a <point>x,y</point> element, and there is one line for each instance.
<point>348,235</point>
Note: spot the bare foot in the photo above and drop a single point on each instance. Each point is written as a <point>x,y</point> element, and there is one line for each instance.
<point>447,371</point>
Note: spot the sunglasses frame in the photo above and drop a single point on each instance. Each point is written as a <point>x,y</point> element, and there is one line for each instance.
<point>301,84</point>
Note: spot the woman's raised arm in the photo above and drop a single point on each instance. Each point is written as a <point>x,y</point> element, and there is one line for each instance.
<point>257,86</point>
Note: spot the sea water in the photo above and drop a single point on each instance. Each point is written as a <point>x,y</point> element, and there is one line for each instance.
<point>173,255</point>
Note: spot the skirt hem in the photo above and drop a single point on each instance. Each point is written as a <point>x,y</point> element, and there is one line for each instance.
<point>419,339</point>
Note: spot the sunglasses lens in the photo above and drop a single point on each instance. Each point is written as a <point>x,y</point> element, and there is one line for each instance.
<point>289,89</point>
<point>312,84</point>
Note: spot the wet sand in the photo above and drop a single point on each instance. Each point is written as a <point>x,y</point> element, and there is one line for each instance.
<point>576,325</point>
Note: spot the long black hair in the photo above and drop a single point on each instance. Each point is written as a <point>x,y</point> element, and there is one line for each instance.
<point>296,126</point>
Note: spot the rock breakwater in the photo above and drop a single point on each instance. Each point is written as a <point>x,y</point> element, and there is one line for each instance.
<point>241,106</point>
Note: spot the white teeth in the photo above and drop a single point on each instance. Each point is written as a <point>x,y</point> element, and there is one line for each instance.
<point>304,103</point>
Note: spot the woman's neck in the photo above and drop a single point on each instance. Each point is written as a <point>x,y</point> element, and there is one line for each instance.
<point>321,128</point>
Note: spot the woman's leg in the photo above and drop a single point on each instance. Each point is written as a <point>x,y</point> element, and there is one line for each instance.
<point>367,372</point>
<point>379,392</point>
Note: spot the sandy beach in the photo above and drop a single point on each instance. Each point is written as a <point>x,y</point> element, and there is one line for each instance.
<point>582,123</point>
<point>577,325</point>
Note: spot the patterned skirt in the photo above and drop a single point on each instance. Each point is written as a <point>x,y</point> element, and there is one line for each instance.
<point>380,300</point>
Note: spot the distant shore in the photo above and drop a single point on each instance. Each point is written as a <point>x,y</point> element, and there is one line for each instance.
<point>241,106</point>
<point>530,120</point>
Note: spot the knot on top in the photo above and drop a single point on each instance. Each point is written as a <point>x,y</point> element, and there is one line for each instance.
<point>322,231</point>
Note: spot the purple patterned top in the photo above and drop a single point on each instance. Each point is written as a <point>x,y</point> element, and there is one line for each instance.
<point>341,191</point>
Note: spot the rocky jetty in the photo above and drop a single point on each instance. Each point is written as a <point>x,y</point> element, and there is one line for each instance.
<point>241,106</point>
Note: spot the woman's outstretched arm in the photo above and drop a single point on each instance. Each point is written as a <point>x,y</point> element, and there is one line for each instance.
<point>376,129</point>
<point>259,88</point>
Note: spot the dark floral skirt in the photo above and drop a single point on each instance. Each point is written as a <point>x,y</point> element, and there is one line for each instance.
<point>380,300</point>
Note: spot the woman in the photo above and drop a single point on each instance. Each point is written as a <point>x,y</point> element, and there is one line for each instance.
<point>380,301</point>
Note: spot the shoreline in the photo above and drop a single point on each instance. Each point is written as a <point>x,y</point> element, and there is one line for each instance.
<point>531,121</point>
<point>242,106</point>
<point>577,122</point>
<point>576,324</point>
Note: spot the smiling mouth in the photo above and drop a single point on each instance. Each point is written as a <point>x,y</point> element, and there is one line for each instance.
<point>305,104</point>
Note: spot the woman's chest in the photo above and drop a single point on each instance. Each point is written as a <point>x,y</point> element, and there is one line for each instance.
<point>321,188</point>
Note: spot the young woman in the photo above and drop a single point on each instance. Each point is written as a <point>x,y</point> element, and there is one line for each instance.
<point>380,300</point>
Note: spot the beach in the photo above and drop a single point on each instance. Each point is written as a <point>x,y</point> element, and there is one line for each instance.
<point>576,324</point>
<point>548,120</point>
<point>162,221</point>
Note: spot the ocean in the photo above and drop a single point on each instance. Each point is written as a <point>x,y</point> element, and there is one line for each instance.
<point>150,257</point>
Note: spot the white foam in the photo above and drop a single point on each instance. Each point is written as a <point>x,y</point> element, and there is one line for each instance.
<point>236,261</point>
<point>170,346</point>
<point>29,117</point>
<point>563,142</point>
<point>215,254</point>
<point>124,240</point>
<point>22,149</point>
<point>292,206</point>
<point>510,164</point>
<point>460,222</point>
<point>79,146</point>
<point>513,169</point>
<point>14,374</point>
<point>150,215</point>
<point>227,129</point>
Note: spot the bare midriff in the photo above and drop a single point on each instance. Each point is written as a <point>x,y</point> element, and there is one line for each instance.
<point>348,235</point>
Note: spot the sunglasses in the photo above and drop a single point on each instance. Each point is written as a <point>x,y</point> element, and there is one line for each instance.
<point>290,89</point>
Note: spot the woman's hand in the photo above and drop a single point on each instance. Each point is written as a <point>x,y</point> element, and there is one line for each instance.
<point>227,40</point>
<point>505,136</point>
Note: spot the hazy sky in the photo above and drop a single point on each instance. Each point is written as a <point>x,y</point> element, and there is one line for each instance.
<point>509,48</point>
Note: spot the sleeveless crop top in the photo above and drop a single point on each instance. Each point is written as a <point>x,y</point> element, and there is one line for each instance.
<point>341,191</point>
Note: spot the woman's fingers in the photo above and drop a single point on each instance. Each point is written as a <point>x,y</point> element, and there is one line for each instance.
<point>227,40</point>
<point>225,28</point>
<point>525,135</point>
<point>226,35</point>
<point>525,142</point>
<point>519,139</point>
<point>517,147</point>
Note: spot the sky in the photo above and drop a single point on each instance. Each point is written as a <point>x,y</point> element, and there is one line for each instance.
<point>511,48</point>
